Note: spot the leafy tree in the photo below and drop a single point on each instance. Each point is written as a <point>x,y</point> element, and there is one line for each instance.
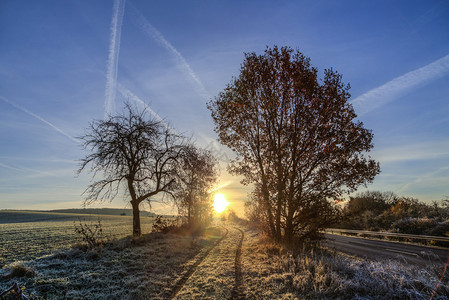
<point>296,137</point>
<point>254,211</point>
<point>373,201</point>
<point>197,173</point>
<point>133,151</point>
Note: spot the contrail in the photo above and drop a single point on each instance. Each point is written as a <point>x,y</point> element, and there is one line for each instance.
<point>130,95</point>
<point>39,118</point>
<point>114,49</point>
<point>10,167</point>
<point>153,33</point>
<point>23,169</point>
<point>429,175</point>
<point>400,85</point>
<point>220,186</point>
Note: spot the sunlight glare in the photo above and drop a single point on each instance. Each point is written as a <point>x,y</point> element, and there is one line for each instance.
<point>220,203</point>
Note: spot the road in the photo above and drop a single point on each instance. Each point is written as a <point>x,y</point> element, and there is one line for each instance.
<point>377,250</point>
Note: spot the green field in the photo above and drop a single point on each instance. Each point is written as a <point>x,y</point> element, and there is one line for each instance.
<point>26,235</point>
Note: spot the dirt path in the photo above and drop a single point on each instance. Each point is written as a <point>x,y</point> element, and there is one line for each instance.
<point>198,260</point>
<point>219,274</point>
<point>238,291</point>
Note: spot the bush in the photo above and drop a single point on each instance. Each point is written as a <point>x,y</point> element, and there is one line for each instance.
<point>91,234</point>
<point>420,226</point>
<point>378,211</point>
<point>441,229</point>
<point>165,225</point>
<point>232,216</point>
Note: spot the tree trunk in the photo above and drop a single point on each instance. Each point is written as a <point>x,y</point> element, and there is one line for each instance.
<point>189,214</point>
<point>267,204</point>
<point>288,234</point>
<point>278,219</point>
<point>291,209</point>
<point>136,219</point>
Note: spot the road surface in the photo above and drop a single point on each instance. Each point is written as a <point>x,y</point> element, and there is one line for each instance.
<point>377,250</point>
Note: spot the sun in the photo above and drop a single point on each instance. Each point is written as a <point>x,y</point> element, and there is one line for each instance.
<point>220,203</point>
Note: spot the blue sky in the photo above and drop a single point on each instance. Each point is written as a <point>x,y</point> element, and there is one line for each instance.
<point>65,63</point>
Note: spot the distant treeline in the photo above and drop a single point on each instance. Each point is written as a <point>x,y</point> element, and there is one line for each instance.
<point>102,211</point>
<point>386,211</point>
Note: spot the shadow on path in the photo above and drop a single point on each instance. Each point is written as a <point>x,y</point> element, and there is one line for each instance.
<point>237,292</point>
<point>179,285</point>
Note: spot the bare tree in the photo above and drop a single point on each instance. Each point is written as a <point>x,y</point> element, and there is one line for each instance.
<point>131,151</point>
<point>297,138</point>
<point>197,174</point>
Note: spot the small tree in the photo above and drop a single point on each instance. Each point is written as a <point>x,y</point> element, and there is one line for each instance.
<point>133,151</point>
<point>197,174</point>
<point>296,137</point>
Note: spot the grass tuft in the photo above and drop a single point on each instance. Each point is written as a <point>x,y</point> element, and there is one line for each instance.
<point>18,269</point>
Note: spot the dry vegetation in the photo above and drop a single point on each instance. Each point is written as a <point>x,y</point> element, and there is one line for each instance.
<point>273,272</point>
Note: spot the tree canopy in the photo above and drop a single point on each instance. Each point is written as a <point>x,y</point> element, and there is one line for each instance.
<point>132,151</point>
<point>196,176</point>
<point>297,139</point>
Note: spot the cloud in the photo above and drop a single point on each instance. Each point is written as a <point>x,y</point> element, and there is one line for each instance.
<point>130,95</point>
<point>39,118</point>
<point>114,49</point>
<point>154,34</point>
<point>399,86</point>
<point>419,151</point>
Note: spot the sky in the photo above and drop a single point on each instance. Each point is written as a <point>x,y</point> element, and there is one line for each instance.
<point>64,64</point>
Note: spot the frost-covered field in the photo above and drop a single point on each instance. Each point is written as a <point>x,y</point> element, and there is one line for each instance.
<point>271,272</point>
<point>228,262</point>
<point>143,268</point>
<point>26,235</point>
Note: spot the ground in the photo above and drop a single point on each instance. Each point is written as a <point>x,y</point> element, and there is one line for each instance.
<point>230,261</point>
<point>27,235</point>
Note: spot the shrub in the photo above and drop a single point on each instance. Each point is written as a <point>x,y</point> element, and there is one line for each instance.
<point>441,229</point>
<point>91,234</point>
<point>165,225</point>
<point>378,211</point>
<point>414,225</point>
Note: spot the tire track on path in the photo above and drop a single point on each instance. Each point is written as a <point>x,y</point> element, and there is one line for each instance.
<point>180,284</point>
<point>238,291</point>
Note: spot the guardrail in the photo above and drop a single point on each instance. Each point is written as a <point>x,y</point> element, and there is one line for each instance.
<point>399,235</point>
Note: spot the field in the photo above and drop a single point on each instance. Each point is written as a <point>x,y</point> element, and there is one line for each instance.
<point>230,261</point>
<point>26,235</point>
